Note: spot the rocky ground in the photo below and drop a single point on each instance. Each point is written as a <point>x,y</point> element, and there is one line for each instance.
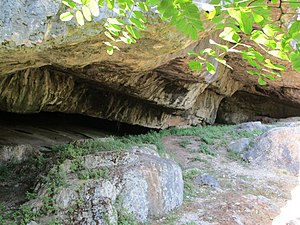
<point>221,188</point>
<point>232,174</point>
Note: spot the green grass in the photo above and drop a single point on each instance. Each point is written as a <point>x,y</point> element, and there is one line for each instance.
<point>197,159</point>
<point>210,137</point>
<point>189,188</point>
<point>184,143</point>
<point>93,174</point>
<point>205,149</point>
<point>235,156</point>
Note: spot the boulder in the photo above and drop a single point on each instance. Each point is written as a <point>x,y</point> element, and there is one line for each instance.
<point>239,146</point>
<point>109,185</point>
<point>277,147</point>
<point>206,180</point>
<point>250,126</point>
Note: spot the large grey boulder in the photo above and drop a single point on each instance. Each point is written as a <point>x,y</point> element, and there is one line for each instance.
<point>279,147</point>
<point>239,146</point>
<point>137,182</point>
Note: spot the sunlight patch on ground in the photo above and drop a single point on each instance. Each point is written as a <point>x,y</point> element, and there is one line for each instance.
<point>290,213</point>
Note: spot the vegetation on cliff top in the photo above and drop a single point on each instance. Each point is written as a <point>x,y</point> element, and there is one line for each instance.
<point>258,30</point>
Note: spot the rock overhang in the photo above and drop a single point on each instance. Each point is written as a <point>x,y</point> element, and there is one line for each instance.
<point>49,65</point>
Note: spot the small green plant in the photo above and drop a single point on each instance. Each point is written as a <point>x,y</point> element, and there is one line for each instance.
<point>24,215</point>
<point>77,165</point>
<point>93,174</point>
<point>189,188</point>
<point>191,223</point>
<point>184,143</point>
<point>126,218</point>
<point>55,221</point>
<point>39,161</point>
<point>234,156</point>
<point>205,149</point>
<point>30,195</point>
<point>197,158</point>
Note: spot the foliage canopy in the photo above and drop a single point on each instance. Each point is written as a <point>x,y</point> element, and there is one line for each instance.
<point>259,30</point>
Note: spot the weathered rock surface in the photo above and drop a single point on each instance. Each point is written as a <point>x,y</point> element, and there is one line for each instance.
<point>110,184</point>
<point>49,65</point>
<point>279,147</point>
<point>239,146</point>
<point>243,106</point>
<point>16,153</point>
<point>206,179</point>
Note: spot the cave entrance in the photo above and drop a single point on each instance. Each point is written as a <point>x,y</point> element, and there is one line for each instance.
<point>48,129</point>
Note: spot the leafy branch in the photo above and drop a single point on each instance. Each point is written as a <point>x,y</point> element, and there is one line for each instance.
<point>240,22</point>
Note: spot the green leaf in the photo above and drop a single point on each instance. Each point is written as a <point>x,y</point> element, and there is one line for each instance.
<point>85,2</point>
<point>250,56</point>
<point>208,51</point>
<point>153,2</point>
<point>229,34</point>
<point>139,16</point>
<point>127,35</point>
<point>195,65</point>
<point>244,19</point>
<point>193,33</point>
<point>77,1</point>
<point>101,3</point>
<point>261,81</point>
<point>247,21</point>
<point>271,30</point>
<point>107,43</point>
<point>270,65</point>
<point>66,16</point>
<point>217,19</point>
<point>143,6</point>
<point>270,77</point>
<point>257,18</point>
<point>210,68</point>
<point>87,13</point>
<point>137,23</point>
<point>94,8</point>
<point>79,18</point>
<point>112,27</point>
<point>222,47</point>
<point>133,32</point>
<point>295,58</point>
<point>110,4</point>
<point>294,28</point>
<point>260,38</point>
<point>107,34</point>
<point>115,21</point>
<point>279,54</point>
<point>294,4</point>
<point>110,51</point>
<point>193,53</point>
<point>70,4</point>
<point>223,61</point>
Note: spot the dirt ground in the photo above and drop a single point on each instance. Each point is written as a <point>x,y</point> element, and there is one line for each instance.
<point>247,195</point>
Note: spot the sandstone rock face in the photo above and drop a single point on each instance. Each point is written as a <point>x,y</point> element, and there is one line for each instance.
<point>278,147</point>
<point>49,65</point>
<point>108,185</point>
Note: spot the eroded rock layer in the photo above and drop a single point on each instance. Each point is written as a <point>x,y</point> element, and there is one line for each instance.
<point>244,106</point>
<point>48,65</point>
